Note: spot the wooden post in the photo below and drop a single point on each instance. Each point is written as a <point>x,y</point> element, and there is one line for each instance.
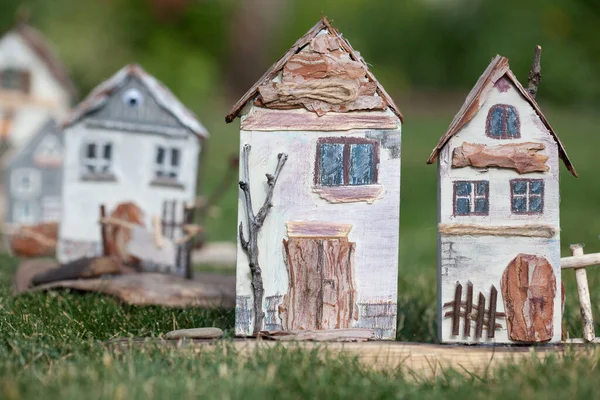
<point>468,309</point>
<point>480,316</point>
<point>103,230</point>
<point>158,234</point>
<point>492,313</point>
<point>457,307</point>
<point>585,304</point>
<point>188,218</point>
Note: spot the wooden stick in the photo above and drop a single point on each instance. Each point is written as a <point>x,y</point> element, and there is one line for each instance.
<point>585,304</point>
<point>157,229</point>
<point>116,221</point>
<point>189,245</point>
<point>535,74</point>
<point>480,316</point>
<point>456,316</point>
<point>103,232</point>
<point>468,309</point>
<point>491,332</point>
<point>586,260</point>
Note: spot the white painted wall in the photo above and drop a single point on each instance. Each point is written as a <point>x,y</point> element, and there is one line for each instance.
<point>375,227</point>
<point>133,165</point>
<point>14,52</point>
<point>487,257</point>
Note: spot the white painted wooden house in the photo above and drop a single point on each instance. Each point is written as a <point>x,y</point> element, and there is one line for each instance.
<point>34,85</point>
<point>499,229</point>
<point>328,248</point>
<point>130,140</point>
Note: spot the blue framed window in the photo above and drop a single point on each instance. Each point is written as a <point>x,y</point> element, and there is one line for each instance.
<point>471,197</point>
<point>503,122</point>
<point>527,196</point>
<point>346,162</point>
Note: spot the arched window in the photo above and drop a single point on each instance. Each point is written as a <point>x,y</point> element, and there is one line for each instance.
<point>503,122</point>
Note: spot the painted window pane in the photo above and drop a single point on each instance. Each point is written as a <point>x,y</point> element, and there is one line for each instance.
<point>167,163</point>
<point>482,188</point>
<point>536,187</point>
<point>175,157</point>
<point>519,187</point>
<point>512,122</point>
<point>96,158</point>
<point>495,122</point>
<point>463,206</point>
<point>91,150</point>
<point>361,164</point>
<point>519,204</point>
<point>462,188</point>
<point>535,204</point>
<point>160,155</point>
<point>332,164</point>
<point>481,206</point>
<point>107,151</point>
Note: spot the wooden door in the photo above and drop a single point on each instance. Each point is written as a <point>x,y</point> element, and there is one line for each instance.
<point>529,288</point>
<point>321,292</point>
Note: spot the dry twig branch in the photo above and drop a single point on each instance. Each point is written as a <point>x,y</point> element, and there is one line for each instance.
<point>254,223</point>
<point>535,74</point>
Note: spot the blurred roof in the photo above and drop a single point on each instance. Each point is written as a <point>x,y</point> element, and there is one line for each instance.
<point>163,96</point>
<point>276,68</point>
<point>497,69</point>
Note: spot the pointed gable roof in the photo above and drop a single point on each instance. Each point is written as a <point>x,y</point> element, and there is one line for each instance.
<point>498,68</point>
<point>300,44</point>
<point>163,96</point>
<point>40,46</point>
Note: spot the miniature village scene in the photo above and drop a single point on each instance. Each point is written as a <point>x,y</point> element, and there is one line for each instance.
<point>283,190</point>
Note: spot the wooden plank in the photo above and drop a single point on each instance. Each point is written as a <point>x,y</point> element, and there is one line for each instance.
<point>522,157</point>
<point>586,260</point>
<point>317,229</point>
<point>583,291</point>
<point>456,309</point>
<point>491,331</point>
<point>543,231</point>
<point>480,316</point>
<point>263,119</point>
<point>349,194</point>
<point>468,309</point>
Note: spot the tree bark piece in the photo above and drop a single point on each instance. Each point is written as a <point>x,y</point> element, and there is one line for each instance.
<point>522,157</point>
<point>254,223</point>
<point>331,335</point>
<point>35,240</point>
<point>585,304</point>
<point>529,287</point>
<point>84,268</point>
<point>118,235</point>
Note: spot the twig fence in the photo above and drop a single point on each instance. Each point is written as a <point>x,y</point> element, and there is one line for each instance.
<point>467,310</point>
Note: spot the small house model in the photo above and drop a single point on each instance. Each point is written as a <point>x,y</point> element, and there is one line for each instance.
<point>318,237</point>
<point>34,85</point>
<point>130,140</point>
<point>33,179</point>
<point>499,231</point>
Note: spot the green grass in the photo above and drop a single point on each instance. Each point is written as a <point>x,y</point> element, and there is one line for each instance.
<point>53,345</point>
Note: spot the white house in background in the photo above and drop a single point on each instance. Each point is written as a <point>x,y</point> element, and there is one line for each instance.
<point>130,140</point>
<point>34,85</point>
<point>328,249</point>
<point>499,277</point>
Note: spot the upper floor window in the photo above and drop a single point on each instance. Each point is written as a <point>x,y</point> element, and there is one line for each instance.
<point>346,162</point>
<point>527,196</point>
<point>503,122</point>
<point>471,198</point>
<point>97,158</point>
<point>167,163</point>
<point>15,79</point>
<point>49,151</point>
<point>25,182</point>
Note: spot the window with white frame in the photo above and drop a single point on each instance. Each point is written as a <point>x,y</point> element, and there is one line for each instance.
<point>527,196</point>
<point>97,158</point>
<point>167,163</point>
<point>471,198</point>
<point>25,182</point>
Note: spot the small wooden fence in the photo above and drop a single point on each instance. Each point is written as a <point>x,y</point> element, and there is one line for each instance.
<point>484,319</point>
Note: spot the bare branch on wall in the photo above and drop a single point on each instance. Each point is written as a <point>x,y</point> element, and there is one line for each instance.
<point>254,223</point>
<point>535,74</point>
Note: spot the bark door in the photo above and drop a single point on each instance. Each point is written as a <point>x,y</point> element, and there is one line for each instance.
<point>529,288</point>
<point>321,293</point>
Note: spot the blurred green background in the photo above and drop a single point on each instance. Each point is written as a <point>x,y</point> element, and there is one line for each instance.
<point>427,53</point>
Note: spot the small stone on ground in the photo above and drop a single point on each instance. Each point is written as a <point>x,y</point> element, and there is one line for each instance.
<point>195,333</point>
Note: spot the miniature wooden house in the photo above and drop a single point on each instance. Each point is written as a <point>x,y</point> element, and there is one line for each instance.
<point>499,273</point>
<point>34,85</point>
<point>130,140</point>
<point>33,179</point>
<point>322,251</point>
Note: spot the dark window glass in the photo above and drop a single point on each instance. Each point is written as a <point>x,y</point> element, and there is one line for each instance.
<point>503,122</point>
<point>519,204</point>
<point>463,188</point>
<point>107,151</point>
<point>160,155</point>
<point>463,206</point>
<point>512,122</point>
<point>175,157</point>
<point>332,164</point>
<point>527,196</point>
<point>91,150</point>
<point>361,164</point>
<point>482,188</point>
<point>495,128</point>
<point>481,206</point>
<point>471,197</point>
<point>535,204</point>
<point>536,187</point>
<point>519,187</point>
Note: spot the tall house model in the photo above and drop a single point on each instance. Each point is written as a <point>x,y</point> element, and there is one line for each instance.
<point>499,277</point>
<point>318,235</point>
<point>34,86</point>
<point>130,140</point>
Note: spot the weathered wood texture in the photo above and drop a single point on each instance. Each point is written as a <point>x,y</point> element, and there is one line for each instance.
<point>263,119</point>
<point>583,291</point>
<point>529,287</point>
<point>543,231</point>
<point>117,236</point>
<point>522,157</point>
<point>322,292</point>
<point>35,241</point>
<point>584,260</point>
<point>350,194</point>
<point>330,335</point>
<point>317,229</point>
<point>84,268</point>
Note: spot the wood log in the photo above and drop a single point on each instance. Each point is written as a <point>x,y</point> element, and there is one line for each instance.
<point>522,157</point>
<point>580,261</point>
<point>583,291</point>
<point>84,268</point>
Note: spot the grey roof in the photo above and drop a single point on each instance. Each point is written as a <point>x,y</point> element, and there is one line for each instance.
<point>163,96</point>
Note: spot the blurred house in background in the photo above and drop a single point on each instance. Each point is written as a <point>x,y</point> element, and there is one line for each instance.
<point>33,179</point>
<point>34,85</point>
<point>130,140</point>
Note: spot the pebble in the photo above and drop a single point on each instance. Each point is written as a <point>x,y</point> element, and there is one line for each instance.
<point>195,333</point>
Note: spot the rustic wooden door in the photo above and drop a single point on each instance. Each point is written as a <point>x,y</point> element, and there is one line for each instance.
<point>321,292</point>
<point>529,288</point>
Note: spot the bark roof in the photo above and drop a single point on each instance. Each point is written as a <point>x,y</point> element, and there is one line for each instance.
<point>497,69</point>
